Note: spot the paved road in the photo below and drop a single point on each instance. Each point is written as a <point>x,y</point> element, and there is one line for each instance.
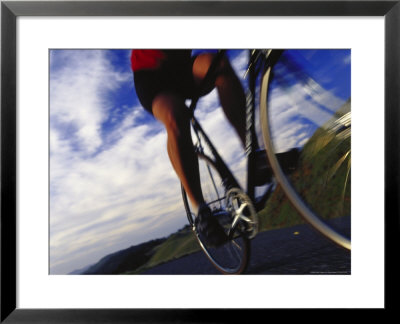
<point>295,250</point>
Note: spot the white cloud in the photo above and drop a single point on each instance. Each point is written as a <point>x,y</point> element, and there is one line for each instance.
<point>127,192</point>
<point>239,63</point>
<point>79,81</point>
<point>296,111</point>
<point>100,202</point>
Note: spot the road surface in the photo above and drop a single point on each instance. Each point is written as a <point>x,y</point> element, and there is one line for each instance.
<point>295,250</point>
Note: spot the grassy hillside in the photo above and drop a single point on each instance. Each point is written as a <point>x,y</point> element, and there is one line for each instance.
<point>322,177</point>
<point>177,245</point>
<point>124,260</point>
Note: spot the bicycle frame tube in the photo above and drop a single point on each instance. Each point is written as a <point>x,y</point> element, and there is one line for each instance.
<point>228,178</point>
<point>251,141</point>
<point>259,60</point>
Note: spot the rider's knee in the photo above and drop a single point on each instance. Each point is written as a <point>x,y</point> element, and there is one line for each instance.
<point>224,66</point>
<point>202,65</point>
<point>204,61</point>
<point>224,70</point>
<point>172,112</point>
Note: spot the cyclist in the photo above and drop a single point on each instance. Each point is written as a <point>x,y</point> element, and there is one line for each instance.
<point>164,79</point>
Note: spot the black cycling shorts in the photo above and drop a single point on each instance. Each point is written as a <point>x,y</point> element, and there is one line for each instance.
<point>174,76</point>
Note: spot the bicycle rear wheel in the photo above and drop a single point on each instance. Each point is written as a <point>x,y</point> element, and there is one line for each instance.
<point>232,257</point>
<point>305,105</point>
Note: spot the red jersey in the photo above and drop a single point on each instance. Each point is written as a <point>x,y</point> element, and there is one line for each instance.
<point>146,59</point>
<point>152,59</point>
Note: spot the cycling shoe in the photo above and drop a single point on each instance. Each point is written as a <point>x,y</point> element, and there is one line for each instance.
<point>209,228</point>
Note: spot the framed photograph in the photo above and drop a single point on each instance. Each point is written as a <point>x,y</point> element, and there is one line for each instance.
<point>91,210</point>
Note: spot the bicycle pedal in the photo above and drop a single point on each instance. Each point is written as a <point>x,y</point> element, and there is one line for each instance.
<point>289,160</point>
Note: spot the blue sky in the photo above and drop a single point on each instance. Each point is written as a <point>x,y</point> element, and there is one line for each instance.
<point>111,183</point>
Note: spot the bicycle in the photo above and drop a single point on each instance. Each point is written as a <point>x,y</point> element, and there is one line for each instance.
<point>236,208</point>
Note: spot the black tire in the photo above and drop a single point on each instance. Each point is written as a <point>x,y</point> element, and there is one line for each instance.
<point>233,256</point>
<point>322,223</point>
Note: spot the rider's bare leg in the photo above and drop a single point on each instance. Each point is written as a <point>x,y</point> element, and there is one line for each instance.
<point>230,91</point>
<point>171,110</point>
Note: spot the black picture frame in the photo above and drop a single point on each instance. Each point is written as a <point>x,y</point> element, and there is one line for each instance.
<point>10,10</point>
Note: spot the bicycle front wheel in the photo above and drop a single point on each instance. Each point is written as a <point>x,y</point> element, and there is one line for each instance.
<point>232,257</point>
<point>305,106</point>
